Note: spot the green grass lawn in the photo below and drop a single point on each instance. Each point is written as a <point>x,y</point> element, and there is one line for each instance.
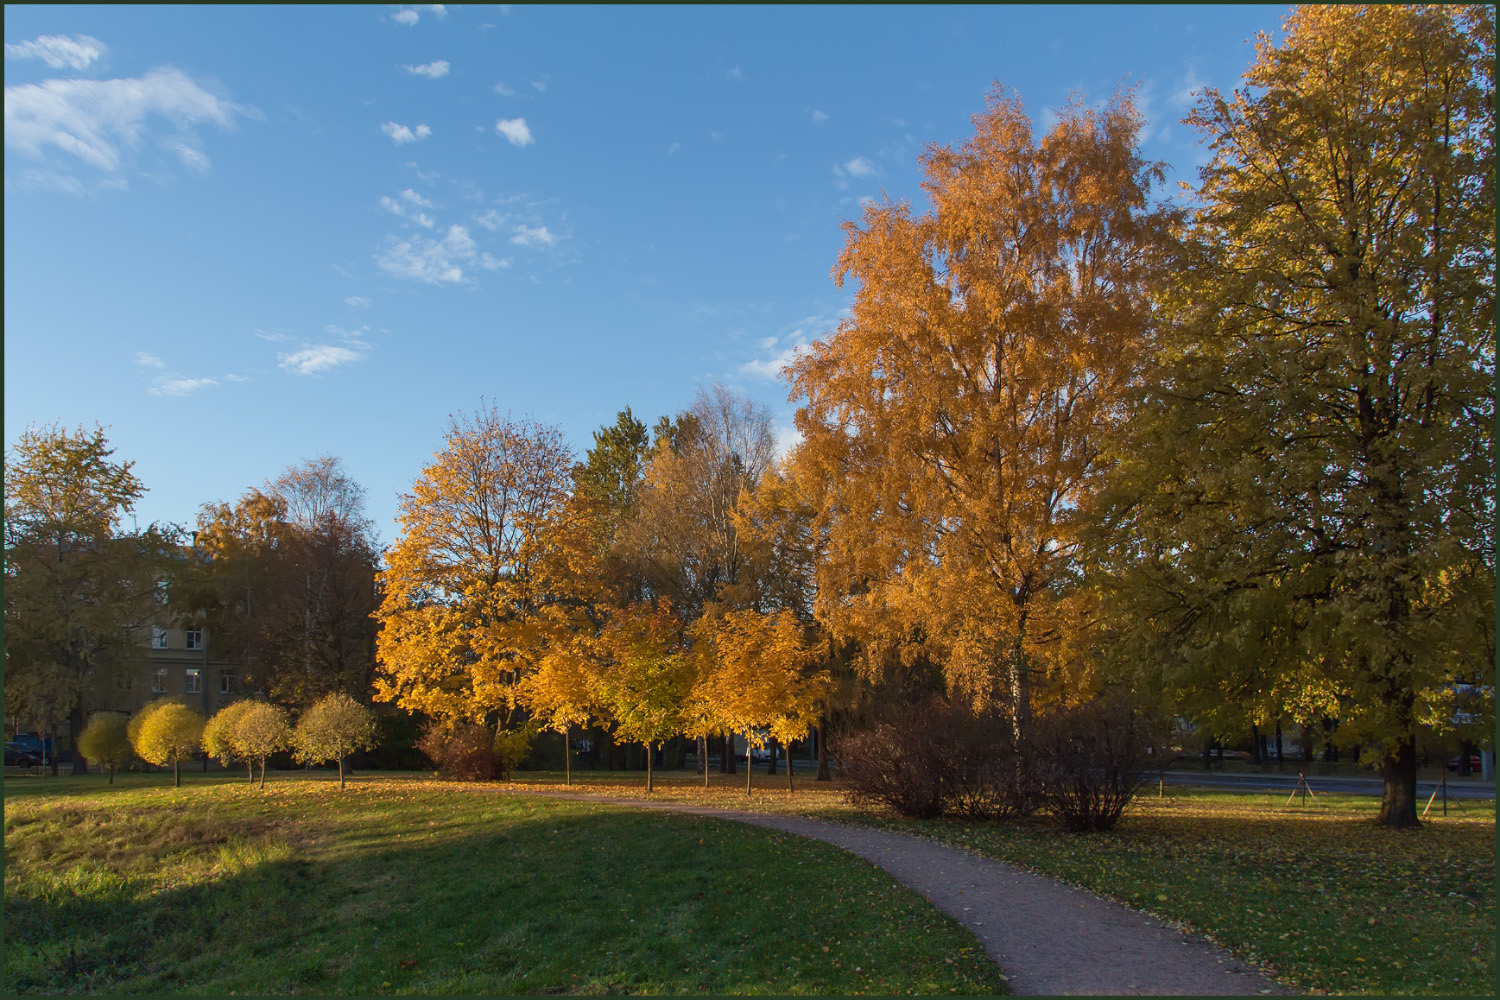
<point>410,886</point>
<point>1319,895</point>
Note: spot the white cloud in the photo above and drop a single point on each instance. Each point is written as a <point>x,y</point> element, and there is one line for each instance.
<point>734,74</point>
<point>318,358</point>
<point>787,438</point>
<point>391,205</point>
<point>861,167</point>
<point>101,121</point>
<point>274,336</point>
<point>432,261</point>
<point>424,220</point>
<point>819,116</point>
<point>491,219</point>
<point>148,360</point>
<point>527,236</point>
<point>415,199</point>
<point>238,378</point>
<point>401,135</point>
<point>770,368</point>
<point>60,51</point>
<point>177,385</point>
<point>504,91</point>
<point>540,86</point>
<point>357,301</point>
<point>409,14</point>
<point>516,130</point>
<point>432,70</point>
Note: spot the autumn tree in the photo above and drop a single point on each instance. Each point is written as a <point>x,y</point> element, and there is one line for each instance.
<point>762,678</point>
<point>78,591</point>
<point>1304,523</point>
<point>219,736</point>
<point>332,729</point>
<point>957,415</point>
<point>645,680</point>
<point>460,623</point>
<point>289,585</point>
<point>106,740</point>
<point>167,731</point>
<point>560,692</point>
<point>261,730</point>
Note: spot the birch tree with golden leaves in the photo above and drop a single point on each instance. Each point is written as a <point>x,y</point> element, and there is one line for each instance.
<point>958,413</point>
<point>460,623</point>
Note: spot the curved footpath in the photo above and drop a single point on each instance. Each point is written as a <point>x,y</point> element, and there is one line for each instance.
<point>1049,938</point>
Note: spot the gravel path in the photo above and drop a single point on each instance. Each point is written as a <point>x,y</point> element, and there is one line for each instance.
<point>1049,938</point>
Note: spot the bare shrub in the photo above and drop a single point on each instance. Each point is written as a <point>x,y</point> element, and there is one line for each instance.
<point>1092,760</point>
<point>934,759</point>
<point>465,751</point>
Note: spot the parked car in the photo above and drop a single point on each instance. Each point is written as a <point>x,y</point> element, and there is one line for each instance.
<point>1474,763</point>
<point>20,755</point>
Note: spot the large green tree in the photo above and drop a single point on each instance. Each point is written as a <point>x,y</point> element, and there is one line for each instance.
<point>1306,507</point>
<point>79,592</point>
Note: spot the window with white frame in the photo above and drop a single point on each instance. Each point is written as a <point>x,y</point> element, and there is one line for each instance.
<point>194,681</point>
<point>194,638</point>
<point>158,637</point>
<point>159,681</point>
<point>226,683</point>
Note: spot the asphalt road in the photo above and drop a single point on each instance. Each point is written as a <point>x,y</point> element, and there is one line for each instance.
<point>1459,788</point>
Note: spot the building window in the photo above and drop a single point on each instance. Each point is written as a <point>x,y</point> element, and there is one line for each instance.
<point>158,638</point>
<point>194,638</point>
<point>159,681</point>
<point>194,681</point>
<point>225,683</point>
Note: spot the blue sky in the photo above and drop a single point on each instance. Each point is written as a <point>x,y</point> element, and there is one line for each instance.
<point>239,237</point>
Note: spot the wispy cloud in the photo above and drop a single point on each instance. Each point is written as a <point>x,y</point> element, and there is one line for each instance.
<point>673,148</point>
<point>540,86</point>
<point>791,343</point>
<point>178,385</point>
<point>60,51</point>
<point>516,130</point>
<point>436,261</point>
<point>357,301</point>
<point>401,135</point>
<point>318,358</point>
<point>734,74</point>
<point>819,116</point>
<point>148,360</point>
<point>861,167</point>
<point>102,122</point>
<point>411,197</point>
<point>770,368</point>
<point>504,91</point>
<point>431,70</point>
<point>409,14</point>
<point>528,236</point>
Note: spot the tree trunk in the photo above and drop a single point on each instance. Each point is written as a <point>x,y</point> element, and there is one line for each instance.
<point>749,771</point>
<point>341,772</point>
<point>567,759</point>
<point>703,753</point>
<point>1280,750</point>
<point>176,773</point>
<point>1307,747</point>
<point>727,760</point>
<point>823,772</point>
<point>1255,741</point>
<point>262,774</point>
<point>111,774</point>
<point>1465,751</point>
<point>250,769</point>
<point>773,746</point>
<point>649,755</point>
<point>1398,803</point>
<point>789,768</point>
<point>1020,686</point>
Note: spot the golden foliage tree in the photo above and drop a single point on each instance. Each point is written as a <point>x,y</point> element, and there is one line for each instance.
<point>958,414</point>
<point>332,729</point>
<point>167,731</point>
<point>1306,509</point>
<point>760,676</point>
<point>644,678</point>
<point>219,736</point>
<point>466,582</point>
<point>106,740</point>
<point>262,729</point>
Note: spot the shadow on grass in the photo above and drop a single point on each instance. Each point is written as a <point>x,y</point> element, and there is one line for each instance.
<point>509,897</point>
